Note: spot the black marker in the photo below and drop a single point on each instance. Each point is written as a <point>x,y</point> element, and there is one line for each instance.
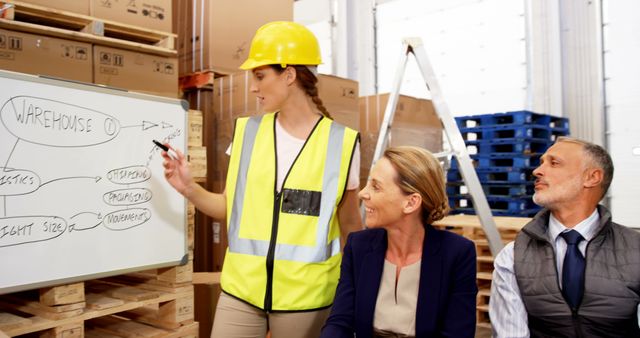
<point>169,151</point>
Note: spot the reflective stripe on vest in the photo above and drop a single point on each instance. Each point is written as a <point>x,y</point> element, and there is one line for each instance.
<point>321,251</point>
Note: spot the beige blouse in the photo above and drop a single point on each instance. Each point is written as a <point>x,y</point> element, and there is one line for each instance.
<point>395,313</point>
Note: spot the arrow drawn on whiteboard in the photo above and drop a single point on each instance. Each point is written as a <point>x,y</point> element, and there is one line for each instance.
<point>166,125</point>
<point>85,221</point>
<point>96,178</point>
<point>10,153</point>
<point>145,125</point>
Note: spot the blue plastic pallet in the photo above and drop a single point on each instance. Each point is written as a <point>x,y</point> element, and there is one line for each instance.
<point>532,146</point>
<point>556,132</point>
<point>507,132</point>
<point>496,175</point>
<point>495,189</point>
<point>510,160</point>
<point>507,204</point>
<point>491,161</point>
<point>523,213</point>
<point>515,117</point>
<point>559,122</point>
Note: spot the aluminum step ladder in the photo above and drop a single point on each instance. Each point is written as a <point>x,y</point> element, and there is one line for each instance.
<point>456,142</point>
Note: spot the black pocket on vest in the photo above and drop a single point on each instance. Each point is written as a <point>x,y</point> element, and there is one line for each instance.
<point>301,202</point>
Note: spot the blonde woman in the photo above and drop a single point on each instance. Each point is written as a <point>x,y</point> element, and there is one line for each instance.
<point>402,277</point>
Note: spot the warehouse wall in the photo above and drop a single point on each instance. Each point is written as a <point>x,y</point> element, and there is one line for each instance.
<point>477,49</point>
<point>622,93</point>
<point>582,77</point>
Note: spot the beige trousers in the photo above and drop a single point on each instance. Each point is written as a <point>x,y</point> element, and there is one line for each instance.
<point>236,319</point>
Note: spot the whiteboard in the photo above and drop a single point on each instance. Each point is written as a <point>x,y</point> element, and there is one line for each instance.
<point>82,189</point>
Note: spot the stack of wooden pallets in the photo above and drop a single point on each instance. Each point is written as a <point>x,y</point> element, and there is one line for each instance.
<point>470,227</point>
<point>154,303</point>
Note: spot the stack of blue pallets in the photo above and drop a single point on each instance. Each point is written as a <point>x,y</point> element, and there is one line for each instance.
<point>505,149</point>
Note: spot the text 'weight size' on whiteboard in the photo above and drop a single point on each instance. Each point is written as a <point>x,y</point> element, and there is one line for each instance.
<point>82,189</point>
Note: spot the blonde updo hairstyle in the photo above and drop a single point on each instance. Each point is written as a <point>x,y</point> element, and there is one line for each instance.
<point>418,171</point>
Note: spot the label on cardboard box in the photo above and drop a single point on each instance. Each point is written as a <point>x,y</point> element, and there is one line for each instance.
<point>135,71</point>
<point>151,14</point>
<point>44,55</point>
<point>194,128</point>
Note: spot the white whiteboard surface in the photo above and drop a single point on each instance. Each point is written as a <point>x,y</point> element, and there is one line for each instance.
<point>82,190</point>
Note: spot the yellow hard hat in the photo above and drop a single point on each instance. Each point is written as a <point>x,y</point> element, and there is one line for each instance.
<point>283,43</point>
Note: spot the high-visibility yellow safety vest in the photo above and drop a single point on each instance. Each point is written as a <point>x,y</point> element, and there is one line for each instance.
<point>284,248</point>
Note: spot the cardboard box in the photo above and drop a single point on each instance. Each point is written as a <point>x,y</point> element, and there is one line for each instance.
<point>194,128</point>
<point>340,97</point>
<point>202,100</point>
<point>410,112</point>
<point>135,71</point>
<point>151,14</point>
<point>415,123</point>
<point>233,99</point>
<point>43,55</point>
<point>216,35</point>
<point>191,222</point>
<point>198,161</point>
<point>75,6</point>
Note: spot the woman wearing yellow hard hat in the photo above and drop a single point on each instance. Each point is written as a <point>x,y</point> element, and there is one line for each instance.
<point>291,194</point>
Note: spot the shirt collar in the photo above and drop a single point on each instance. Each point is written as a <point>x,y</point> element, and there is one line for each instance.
<point>587,227</point>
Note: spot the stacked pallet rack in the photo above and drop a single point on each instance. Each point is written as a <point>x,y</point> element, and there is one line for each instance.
<point>470,227</point>
<point>506,148</point>
<point>152,303</point>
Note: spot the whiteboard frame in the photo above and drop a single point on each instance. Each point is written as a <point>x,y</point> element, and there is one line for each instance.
<point>109,91</point>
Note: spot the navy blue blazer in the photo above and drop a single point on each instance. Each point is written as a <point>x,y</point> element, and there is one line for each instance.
<point>446,296</point>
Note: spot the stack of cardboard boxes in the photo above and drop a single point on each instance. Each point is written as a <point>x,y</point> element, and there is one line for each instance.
<point>214,38</point>
<point>233,99</point>
<point>216,35</point>
<point>105,64</point>
<point>415,123</point>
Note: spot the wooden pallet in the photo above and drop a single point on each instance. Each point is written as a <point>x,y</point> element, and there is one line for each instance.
<point>198,80</point>
<point>42,20</point>
<point>482,308</point>
<point>158,302</point>
<point>470,227</point>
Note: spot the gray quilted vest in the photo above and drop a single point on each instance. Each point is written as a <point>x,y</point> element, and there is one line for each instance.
<point>612,282</point>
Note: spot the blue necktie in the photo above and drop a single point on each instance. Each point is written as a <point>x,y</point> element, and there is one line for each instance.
<point>573,269</point>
